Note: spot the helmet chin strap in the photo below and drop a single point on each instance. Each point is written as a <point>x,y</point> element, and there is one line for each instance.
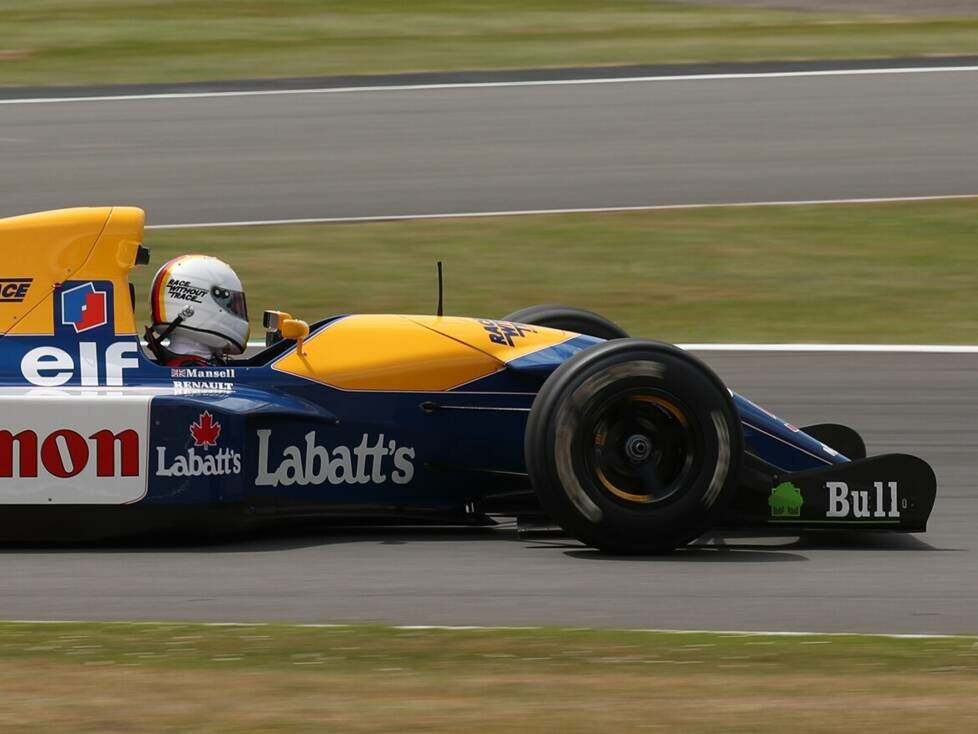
<point>155,341</point>
<point>181,344</point>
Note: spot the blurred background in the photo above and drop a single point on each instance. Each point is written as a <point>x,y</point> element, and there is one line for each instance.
<point>855,273</point>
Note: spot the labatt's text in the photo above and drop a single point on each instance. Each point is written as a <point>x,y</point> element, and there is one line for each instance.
<point>205,432</point>
<point>374,462</point>
<point>192,464</point>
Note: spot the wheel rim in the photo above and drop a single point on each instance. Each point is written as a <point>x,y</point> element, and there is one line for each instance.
<point>641,447</point>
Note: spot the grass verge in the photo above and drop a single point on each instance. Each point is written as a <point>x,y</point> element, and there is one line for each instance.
<point>875,273</point>
<point>266,678</point>
<point>105,41</point>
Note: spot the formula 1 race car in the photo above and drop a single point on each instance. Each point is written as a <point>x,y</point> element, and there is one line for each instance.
<point>550,414</point>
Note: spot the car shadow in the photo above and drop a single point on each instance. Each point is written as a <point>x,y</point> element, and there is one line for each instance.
<point>715,547</point>
<point>262,540</point>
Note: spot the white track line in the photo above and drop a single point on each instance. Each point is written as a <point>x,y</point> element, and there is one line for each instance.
<point>504,628</point>
<point>496,85</point>
<point>526,212</point>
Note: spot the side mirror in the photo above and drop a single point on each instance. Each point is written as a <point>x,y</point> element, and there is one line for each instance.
<point>272,320</point>
<point>142,255</point>
<point>286,327</point>
<point>294,329</point>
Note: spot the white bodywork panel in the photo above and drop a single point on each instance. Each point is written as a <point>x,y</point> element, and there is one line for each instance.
<point>74,446</point>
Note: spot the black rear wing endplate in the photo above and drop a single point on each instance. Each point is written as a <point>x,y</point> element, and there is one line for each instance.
<point>843,439</point>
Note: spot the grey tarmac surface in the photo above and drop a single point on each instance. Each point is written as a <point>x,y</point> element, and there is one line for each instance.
<point>921,403</point>
<point>403,152</point>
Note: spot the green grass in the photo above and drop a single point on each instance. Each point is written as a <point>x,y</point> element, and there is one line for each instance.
<point>103,41</point>
<point>275,678</point>
<point>877,273</point>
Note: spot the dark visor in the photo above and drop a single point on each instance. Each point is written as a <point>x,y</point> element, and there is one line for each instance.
<point>233,301</point>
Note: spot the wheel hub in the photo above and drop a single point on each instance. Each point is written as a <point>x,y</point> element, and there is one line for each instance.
<point>641,446</point>
<point>638,448</point>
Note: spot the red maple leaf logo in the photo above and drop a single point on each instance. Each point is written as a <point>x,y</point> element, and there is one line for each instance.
<point>205,430</point>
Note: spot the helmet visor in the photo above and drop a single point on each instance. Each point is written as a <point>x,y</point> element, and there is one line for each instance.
<point>233,301</point>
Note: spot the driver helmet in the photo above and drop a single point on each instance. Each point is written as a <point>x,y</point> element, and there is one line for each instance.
<point>199,303</point>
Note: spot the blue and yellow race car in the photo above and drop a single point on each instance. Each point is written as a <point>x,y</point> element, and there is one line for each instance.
<point>552,415</point>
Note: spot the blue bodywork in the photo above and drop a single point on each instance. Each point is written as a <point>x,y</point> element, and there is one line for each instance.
<point>250,435</point>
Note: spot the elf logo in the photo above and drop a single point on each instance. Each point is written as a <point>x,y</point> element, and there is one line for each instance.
<point>65,453</point>
<point>84,307</point>
<point>53,367</point>
<point>883,501</point>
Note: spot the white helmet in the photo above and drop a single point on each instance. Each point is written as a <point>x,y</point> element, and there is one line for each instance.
<point>203,295</point>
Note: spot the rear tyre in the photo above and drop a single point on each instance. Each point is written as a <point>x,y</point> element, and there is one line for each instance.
<point>633,446</point>
<point>568,318</point>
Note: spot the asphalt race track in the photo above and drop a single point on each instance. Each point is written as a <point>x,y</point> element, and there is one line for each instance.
<point>499,148</point>
<point>924,403</point>
<point>438,150</point>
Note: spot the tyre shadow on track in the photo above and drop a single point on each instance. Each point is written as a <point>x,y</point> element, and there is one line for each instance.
<point>751,548</point>
<point>690,554</point>
<point>694,554</point>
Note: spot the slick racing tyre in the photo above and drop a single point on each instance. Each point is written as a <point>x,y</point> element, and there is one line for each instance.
<point>633,446</point>
<point>568,319</point>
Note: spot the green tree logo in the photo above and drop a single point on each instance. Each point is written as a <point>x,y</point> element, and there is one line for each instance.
<point>785,500</point>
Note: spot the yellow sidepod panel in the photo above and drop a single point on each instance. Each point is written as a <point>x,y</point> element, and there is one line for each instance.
<point>503,340</point>
<point>44,249</point>
<point>385,352</point>
<point>48,248</point>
